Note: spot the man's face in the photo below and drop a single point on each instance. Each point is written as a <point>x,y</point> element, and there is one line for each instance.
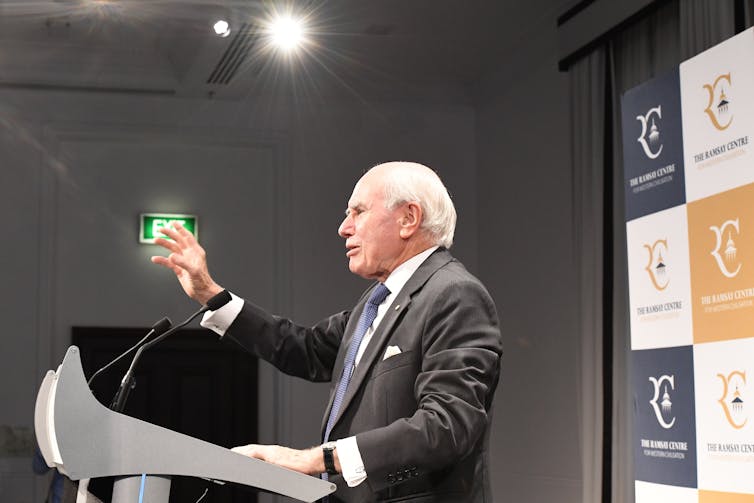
<point>371,231</point>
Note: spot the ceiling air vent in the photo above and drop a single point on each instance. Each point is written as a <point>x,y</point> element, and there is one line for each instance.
<point>234,55</point>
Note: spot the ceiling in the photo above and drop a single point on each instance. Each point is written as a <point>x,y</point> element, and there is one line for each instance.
<point>168,46</point>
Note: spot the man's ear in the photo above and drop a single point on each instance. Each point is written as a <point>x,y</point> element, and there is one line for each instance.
<point>411,219</point>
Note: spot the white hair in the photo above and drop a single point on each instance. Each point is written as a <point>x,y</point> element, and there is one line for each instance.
<point>413,182</point>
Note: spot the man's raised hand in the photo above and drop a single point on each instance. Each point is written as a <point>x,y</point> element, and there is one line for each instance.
<point>188,261</point>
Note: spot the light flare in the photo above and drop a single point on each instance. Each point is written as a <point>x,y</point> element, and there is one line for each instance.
<point>286,32</point>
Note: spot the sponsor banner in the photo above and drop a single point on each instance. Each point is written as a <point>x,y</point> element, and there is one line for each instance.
<point>653,146</point>
<point>646,492</point>
<point>664,424</point>
<point>718,117</point>
<point>718,497</point>
<point>689,186</point>
<point>721,253</point>
<point>724,415</point>
<point>658,280</point>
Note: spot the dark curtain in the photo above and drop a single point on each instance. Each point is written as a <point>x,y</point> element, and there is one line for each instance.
<point>588,85</point>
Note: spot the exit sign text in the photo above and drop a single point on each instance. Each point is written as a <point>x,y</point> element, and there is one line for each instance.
<point>151,223</point>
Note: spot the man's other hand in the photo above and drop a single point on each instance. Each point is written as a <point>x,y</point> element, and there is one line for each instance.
<point>308,461</point>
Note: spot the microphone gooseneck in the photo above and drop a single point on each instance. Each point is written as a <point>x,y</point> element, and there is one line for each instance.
<point>127,383</point>
<point>158,328</point>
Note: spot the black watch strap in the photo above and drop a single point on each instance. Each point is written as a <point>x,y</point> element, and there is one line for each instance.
<point>327,453</point>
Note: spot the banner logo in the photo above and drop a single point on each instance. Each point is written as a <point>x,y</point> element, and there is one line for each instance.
<point>656,267</point>
<point>731,401</point>
<point>728,258</point>
<point>650,149</point>
<point>718,106</point>
<point>664,407</point>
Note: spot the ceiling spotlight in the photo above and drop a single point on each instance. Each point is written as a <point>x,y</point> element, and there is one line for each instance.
<point>287,33</point>
<point>222,28</point>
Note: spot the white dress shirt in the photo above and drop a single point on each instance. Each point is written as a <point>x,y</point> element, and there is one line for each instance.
<point>351,464</point>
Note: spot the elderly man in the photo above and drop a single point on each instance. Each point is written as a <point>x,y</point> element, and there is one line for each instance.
<point>414,364</point>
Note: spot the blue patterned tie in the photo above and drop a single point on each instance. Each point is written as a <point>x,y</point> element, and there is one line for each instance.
<point>378,296</point>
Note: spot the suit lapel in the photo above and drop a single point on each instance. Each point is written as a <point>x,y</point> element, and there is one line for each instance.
<point>382,334</point>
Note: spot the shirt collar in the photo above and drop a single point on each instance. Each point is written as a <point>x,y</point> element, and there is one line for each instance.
<point>401,274</point>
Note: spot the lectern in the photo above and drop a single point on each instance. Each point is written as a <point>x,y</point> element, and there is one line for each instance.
<point>83,439</point>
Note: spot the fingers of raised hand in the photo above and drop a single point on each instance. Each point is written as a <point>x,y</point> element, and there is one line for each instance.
<point>179,234</point>
<point>160,260</point>
<point>169,232</point>
<point>182,232</point>
<point>166,262</point>
<point>167,244</point>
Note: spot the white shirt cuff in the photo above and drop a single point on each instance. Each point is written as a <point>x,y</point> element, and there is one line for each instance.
<point>219,321</point>
<point>351,464</point>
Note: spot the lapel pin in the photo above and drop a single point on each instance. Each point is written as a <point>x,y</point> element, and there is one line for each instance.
<point>397,307</point>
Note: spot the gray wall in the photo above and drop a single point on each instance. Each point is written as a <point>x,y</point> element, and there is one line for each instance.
<point>526,259</point>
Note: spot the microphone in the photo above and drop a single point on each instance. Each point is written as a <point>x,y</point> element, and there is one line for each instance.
<point>127,383</point>
<point>158,328</point>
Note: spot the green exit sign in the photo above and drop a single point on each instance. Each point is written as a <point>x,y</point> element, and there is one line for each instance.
<point>151,223</point>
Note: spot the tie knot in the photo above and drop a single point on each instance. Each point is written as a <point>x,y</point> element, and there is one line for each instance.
<point>379,294</point>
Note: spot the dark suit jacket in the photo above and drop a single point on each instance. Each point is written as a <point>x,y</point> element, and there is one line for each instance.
<point>421,418</point>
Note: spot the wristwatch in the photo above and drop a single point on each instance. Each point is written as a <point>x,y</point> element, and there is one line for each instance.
<point>327,449</point>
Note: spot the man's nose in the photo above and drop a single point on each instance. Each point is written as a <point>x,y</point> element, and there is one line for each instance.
<point>346,227</point>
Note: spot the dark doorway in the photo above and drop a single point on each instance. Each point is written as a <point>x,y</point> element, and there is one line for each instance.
<point>190,383</point>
